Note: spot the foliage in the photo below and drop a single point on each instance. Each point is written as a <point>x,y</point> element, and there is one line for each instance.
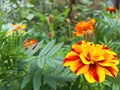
<point>40,67</point>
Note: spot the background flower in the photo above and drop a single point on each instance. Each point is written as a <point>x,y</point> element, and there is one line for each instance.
<point>83,26</point>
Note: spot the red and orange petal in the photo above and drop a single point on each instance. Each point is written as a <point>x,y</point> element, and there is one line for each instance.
<point>93,60</point>
<point>111,9</point>
<point>84,26</point>
<point>28,43</point>
<point>95,73</point>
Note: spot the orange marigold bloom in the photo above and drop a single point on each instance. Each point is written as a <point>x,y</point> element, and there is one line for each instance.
<point>83,26</point>
<point>111,9</point>
<point>94,61</point>
<point>18,27</point>
<point>28,43</point>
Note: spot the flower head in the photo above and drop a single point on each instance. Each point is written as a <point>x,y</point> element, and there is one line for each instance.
<point>111,9</point>
<point>94,61</point>
<point>28,43</point>
<point>83,26</point>
<point>17,28</point>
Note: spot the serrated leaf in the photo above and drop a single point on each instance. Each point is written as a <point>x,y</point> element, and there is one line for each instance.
<point>47,48</point>
<point>36,48</point>
<point>37,80</point>
<point>55,49</point>
<point>25,80</point>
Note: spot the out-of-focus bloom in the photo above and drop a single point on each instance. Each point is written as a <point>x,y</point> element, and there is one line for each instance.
<point>94,61</point>
<point>111,9</point>
<point>82,27</point>
<point>17,28</point>
<point>29,42</point>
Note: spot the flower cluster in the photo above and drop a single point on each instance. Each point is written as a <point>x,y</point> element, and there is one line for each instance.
<point>94,61</point>
<point>84,26</point>
<point>17,28</point>
<point>28,43</point>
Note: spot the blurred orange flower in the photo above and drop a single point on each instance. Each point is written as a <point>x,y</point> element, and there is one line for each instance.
<point>94,61</point>
<point>18,27</point>
<point>28,43</point>
<point>83,26</point>
<point>111,9</point>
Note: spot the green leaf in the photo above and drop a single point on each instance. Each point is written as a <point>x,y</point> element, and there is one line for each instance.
<point>50,81</point>
<point>50,62</point>
<point>55,49</point>
<point>30,16</point>
<point>37,80</point>
<point>30,49</point>
<point>58,69</point>
<point>115,86</point>
<point>36,48</point>
<point>25,80</point>
<point>41,62</point>
<point>47,48</point>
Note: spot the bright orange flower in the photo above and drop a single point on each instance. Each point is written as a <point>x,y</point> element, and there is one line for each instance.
<point>28,43</point>
<point>94,61</point>
<point>111,9</point>
<point>83,26</point>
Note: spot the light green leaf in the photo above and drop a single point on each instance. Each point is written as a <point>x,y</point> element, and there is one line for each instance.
<point>25,80</point>
<point>37,80</point>
<point>30,16</point>
<point>30,49</point>
<point>50,81</point>
<point>47,48</point>
<point>36,48</point>
<point>41,62</point>
<point>55,49</point>
<point>58,69</point>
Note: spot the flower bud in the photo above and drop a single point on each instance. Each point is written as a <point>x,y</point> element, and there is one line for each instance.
<point>51,18</point>
<point>68,21</point>
<point>89,35</point>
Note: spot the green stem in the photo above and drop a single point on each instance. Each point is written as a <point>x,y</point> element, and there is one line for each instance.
<point>52,30</point>
<point>84,84</point>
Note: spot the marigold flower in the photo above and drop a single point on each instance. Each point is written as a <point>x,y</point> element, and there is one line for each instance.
<point>84,26</point>
<point>111,9</point>
<point>28,43</point>
<point>94,61</point>
<point>18,28</point>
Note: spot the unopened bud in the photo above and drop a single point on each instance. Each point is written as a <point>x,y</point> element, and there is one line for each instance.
<point>51,18</point>
<point>50,35</point>
<point>89,35</point>
<point>68,21</point>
